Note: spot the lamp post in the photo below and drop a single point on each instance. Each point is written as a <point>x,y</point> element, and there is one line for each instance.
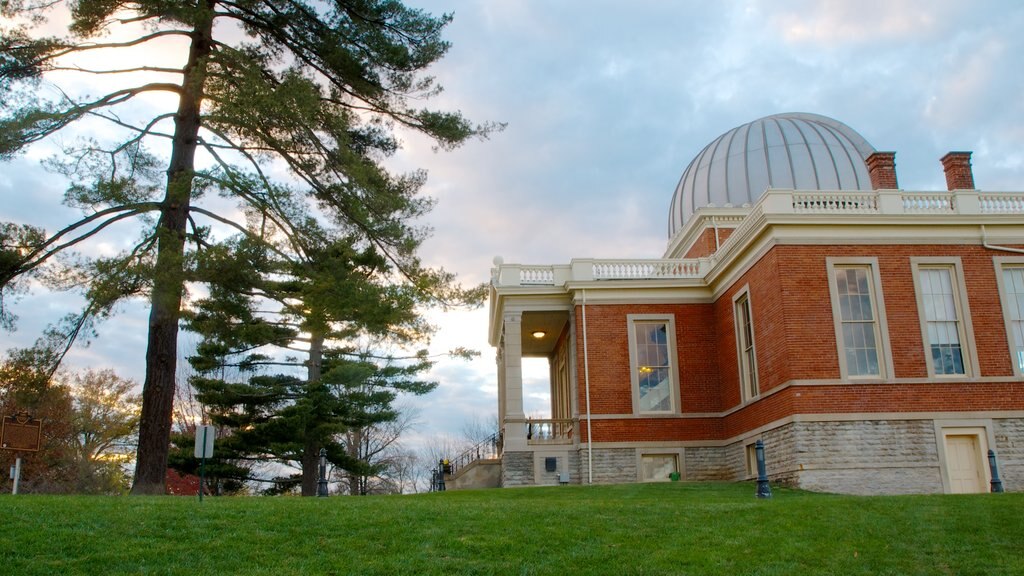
<point>997,484</point>
<point>763,489</point>
<point>321,484</point>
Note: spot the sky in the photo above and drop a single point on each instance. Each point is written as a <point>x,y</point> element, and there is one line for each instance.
<point>606,103</point>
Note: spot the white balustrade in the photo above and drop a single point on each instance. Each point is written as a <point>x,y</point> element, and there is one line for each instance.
<point>966,202</point>
<point>645,269</point>
<point>929,203</point>
<point>537,276</point>
<point>1001,203</point>
<point>835,203</point>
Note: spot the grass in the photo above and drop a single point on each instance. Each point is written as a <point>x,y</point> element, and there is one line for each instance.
<point>674,528</point>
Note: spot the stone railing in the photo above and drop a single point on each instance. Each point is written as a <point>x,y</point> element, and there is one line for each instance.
<point>772,203</point>
<point>928,203</point>
<point>550,431</point>
<point>831,202</point>
<point>586,269</point>
<point>645,269</point>
<point>1001,203</point>
<point>963,202</point>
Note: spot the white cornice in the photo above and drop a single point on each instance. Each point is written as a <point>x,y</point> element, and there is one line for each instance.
<point>897,217</point>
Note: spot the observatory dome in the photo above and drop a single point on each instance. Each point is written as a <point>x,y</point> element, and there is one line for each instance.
<point>795,150</point>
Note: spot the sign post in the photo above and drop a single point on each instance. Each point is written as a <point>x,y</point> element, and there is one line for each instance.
<point>204,450</point>
<point>22,433</point>
<point>16,476</point>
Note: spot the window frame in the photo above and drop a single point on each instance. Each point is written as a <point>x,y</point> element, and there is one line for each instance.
<point>1000,263</point>
<point>750,385</point>
<point>883,347</point>
<point>670,455</point>
<point>965,328</point>
<point>673,361</point>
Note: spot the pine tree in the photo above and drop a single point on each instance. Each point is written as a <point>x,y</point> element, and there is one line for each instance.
<point>317,87</point>
<point>297,330</point>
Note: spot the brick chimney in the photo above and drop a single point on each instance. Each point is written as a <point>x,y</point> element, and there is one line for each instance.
<point>882,169</point>
<point>958,171</point>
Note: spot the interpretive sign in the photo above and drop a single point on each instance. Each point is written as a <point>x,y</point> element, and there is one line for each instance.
<point>21,432</point>
<point>204,441</point>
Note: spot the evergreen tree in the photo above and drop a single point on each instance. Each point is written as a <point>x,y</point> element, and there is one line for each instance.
<point>308,317</point>
<point>317,87</point>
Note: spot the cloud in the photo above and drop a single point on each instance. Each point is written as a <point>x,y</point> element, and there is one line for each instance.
<point>828,24</point>
<point>606,104</point>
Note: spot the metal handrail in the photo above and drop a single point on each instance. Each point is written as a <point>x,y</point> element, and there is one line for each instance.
<point>488,449</point>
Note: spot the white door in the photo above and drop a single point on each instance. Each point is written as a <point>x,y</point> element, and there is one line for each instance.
<point>963,460</point>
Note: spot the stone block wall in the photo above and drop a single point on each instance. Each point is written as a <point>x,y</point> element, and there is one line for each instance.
<point>850,457</point>
<point>516,469</point>
<point>611,465</point>
<point>866,457</point>
<point>709,463</point>
<point>1009,448</point>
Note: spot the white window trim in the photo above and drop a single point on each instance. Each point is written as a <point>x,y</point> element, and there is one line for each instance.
<point>885,365</point>
<point>745,396</point>
<point>966,329</point>
<point>673,360</point>
<point>1001,262</point>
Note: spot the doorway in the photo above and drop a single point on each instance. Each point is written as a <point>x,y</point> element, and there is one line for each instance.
<point>965,460</point>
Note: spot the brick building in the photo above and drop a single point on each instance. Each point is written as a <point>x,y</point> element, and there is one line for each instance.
<point>870,336</point>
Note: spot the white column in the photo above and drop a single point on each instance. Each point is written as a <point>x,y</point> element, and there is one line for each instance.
<point>512,353</point>
<point>499,359</point>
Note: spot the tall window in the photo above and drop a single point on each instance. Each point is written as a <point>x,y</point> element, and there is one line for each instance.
<point>859,315</point>
<point>945,316</point>
<point>1013,308</point>
<point>745,346</point>
<point>858,320</point>
<point>940,313</point>
<point>652,351</point>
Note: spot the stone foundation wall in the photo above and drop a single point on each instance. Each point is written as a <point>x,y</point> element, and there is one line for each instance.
<point>516,469</point>
<point>860,457</point>
<point>704,464</point>
<point>611,465</point>
<point>1009,448</point>
<point>867,457</point>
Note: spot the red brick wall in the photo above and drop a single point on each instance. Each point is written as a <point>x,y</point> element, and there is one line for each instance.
<point>795,340</point>
<point>608,352</point>
<point>793,326</point>
<point>705,244</point>
<point>810,332</point>
<point>868,398</point>
<point>655,429</point>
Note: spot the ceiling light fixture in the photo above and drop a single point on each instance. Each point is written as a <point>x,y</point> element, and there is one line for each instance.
<point>538,334</point>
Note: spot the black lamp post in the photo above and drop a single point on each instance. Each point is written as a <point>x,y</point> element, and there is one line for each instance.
<point>763,489</point>
<point>321,484</point>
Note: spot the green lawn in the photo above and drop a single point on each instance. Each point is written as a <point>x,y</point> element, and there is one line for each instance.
<point>675,528</point>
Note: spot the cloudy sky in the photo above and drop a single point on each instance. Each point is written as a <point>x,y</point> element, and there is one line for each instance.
<point>606,104</point>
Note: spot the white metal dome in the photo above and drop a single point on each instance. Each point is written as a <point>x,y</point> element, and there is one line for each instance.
<point>790,151</point>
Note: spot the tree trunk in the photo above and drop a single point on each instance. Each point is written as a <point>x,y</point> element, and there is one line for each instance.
<point>169,279</point>
<point>310,466</point>
<point>311,451</point>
